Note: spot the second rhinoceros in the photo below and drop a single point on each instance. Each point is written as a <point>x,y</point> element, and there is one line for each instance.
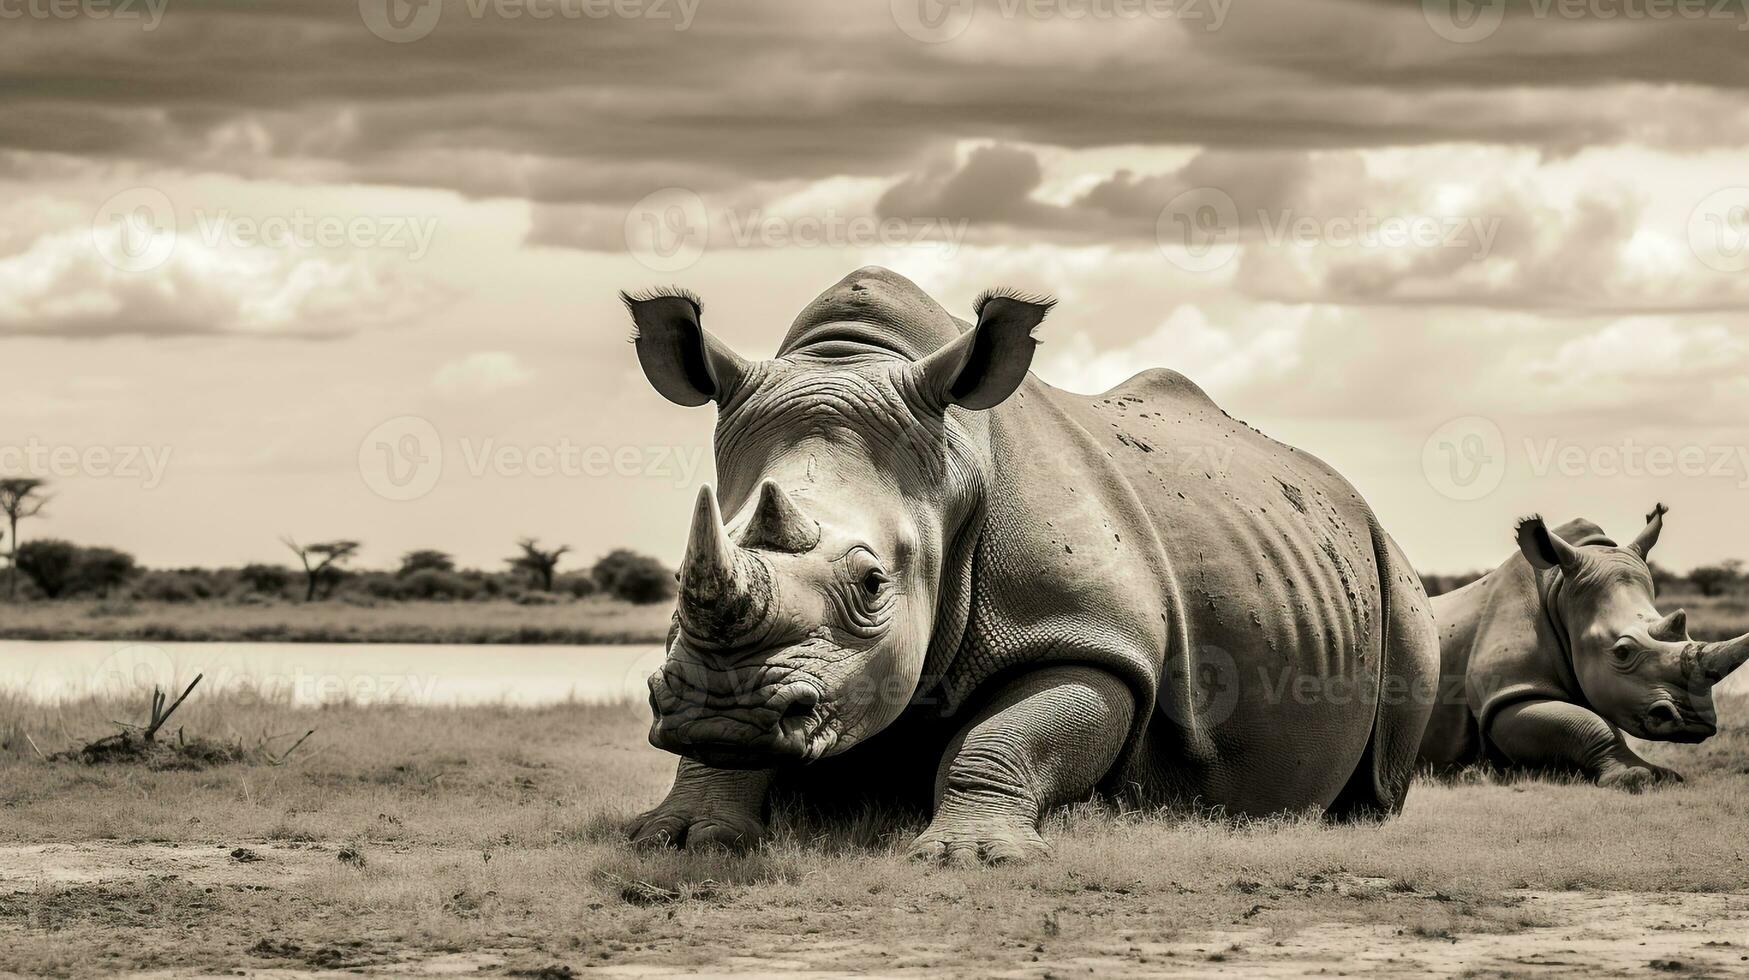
<point>938,566</point>
<point>1549,658</point>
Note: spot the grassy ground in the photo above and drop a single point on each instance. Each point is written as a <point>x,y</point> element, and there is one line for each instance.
<point>592,620</point>
<point>486,840</point>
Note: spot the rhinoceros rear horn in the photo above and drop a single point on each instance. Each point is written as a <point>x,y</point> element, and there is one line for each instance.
<point>983,366</point>
<point>1648,538</point>
<point>778,525</point>
<point>1715,661</point>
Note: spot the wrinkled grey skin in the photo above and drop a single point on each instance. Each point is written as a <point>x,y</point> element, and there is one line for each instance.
<point>1551,657</point>
<point>934,564</point>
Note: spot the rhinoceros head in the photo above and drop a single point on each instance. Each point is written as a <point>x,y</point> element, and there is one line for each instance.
<point>845,471</point>
<point>1637,667</point>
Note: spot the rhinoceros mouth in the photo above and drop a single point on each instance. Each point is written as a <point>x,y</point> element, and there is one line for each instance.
<point>784,724</point>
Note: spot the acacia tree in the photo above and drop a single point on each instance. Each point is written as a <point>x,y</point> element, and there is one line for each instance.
<point>20,497</point>
<point>538,562</point>
<point>321,560</point>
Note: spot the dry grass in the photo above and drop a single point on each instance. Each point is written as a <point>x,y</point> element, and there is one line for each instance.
<point>499,828</point>
<point>592,620</point>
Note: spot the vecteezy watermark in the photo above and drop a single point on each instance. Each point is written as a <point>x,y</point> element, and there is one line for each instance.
<point>138,229</point>
<point>671,229</point>
<point>1467,459</point>
<point>135,230</point>
<point>938,21</point>
<point>35,458</point>
<point>300,229</point>
<point>401,21</point>
<point>1198,230</point>
<point>403,458</point>
<point>1469,21</point>
<point>1718,230</point>
<point>148,13</point>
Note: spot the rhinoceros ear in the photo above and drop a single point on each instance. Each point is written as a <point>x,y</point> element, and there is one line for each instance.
<point>683,362</point>
<point>981,368</point>
<point>1544,548</point>
<point>1648,538</point>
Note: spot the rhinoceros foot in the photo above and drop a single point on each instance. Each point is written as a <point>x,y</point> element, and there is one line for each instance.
<point>678,826</point>
<point>976,842</point>
<point>1635,779</point>
<point>706,808</point>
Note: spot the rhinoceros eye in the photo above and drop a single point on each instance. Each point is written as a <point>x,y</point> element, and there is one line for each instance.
<point>873,581</point>
<point>1625,652</point>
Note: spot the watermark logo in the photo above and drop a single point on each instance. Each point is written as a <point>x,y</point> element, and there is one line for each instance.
<point>301,229</point>
<point>400,21</point>
<point>401,459</point>
<point>1464,21</point>
<point>1198,230</point>
<point>933,21</point>
<point>1203,691</point>
<point>668,230</point>
<point>135,230</point>
<point>1718,230</point>
<point>1465,459</point>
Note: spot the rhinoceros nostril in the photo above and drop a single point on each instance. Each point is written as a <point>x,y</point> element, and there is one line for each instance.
<point>1664,715</point>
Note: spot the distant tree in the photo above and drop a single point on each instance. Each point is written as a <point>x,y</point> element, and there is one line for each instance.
<point>1662,578</point>
<point>322,562</point>
<point>425,559</point>
<point>538,562</point>
<point>1716,580</point>
<point>49,562</point>
<point>20,497</point>
<point>265,579</point>
<point>98,571</point>
<point>628,575</point>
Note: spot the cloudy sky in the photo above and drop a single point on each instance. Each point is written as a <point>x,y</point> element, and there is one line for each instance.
<point>347,268</point>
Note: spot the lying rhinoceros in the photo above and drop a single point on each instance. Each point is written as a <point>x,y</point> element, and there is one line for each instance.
<point>936,565</point>
<point>1550,657</point>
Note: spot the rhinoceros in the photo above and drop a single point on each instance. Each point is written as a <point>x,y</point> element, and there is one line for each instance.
<point>938,570</point>
<point>1549,658</point>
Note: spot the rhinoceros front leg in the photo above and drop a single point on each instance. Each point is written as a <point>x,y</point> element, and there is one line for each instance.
<point>707,807</point>
<point>1561,736</point>
<point>1046,739</point>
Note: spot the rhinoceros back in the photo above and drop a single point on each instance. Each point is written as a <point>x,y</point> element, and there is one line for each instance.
<point>1234,581</point>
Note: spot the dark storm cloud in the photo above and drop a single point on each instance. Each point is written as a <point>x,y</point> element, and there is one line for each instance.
<point>587,109</point>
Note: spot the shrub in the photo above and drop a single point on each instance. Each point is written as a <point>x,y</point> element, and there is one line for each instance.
<point>627,575</point>
<point>576,585</point>
<point>265,579</point>
<point>431,583</point>
<point>167,587</point>
<point>425,560</point>
<point>1716,580</point>
<point>99,571</point>
<point>50,563</point>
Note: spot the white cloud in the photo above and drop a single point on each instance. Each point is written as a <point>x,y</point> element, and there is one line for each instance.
<point>481,373</point>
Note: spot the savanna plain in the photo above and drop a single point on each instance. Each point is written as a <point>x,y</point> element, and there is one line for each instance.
<point>487,841</point>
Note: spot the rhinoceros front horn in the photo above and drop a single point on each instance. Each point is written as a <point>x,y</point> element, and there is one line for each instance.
<point>724,591</point>
<point>1715,661</point>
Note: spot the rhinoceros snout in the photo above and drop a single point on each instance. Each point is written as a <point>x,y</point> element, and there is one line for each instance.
<point>770,720</point>
<point>1667,722</point>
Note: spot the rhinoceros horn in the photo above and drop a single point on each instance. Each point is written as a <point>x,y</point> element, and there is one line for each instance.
<point>724,591</point>
<point>1715,661</point>
<point>777,525</point>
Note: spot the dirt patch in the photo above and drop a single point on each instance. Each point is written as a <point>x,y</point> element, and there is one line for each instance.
<point>153,889</point>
